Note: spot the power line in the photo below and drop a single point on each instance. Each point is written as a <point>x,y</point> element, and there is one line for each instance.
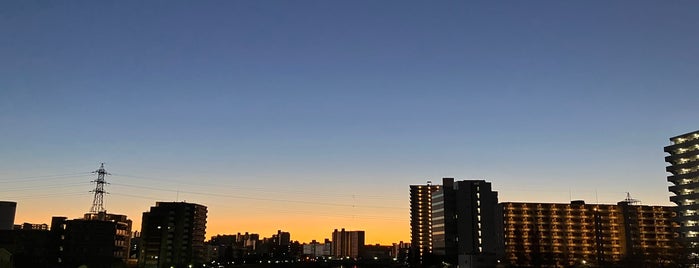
<point>25,188</point>
<point>43,178</point>
<point>249,197</point>
<point>34,196</point>
<point>277,210</point>
<point>264,189</point>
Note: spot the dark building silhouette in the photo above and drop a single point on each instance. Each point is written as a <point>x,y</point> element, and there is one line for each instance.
<point>377,252</point>
<point>347,244</point>
<point>172,234</point>
<point>236,248</point>
<point>279,245</point>
<point>684,169</point>
<point>466,223</point>
<point>7,215</point>
<point>28,248</point>
<point>421,222</point>
<point>97,240</point>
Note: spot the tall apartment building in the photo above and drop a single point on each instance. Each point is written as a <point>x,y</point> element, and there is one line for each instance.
<point>560,235</point>
<point>684,167</point>
<point>466,223</point>
<point>172,234</point>
<point>421,221</point>
<point>347,243</point>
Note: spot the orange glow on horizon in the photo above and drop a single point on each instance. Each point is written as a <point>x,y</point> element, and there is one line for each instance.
<point>381,226</point>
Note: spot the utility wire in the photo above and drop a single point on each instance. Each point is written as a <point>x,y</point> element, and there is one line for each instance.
<point>42,178</point>
<point>249,197</point>
<point>261,189</point>
<point>276,210</point>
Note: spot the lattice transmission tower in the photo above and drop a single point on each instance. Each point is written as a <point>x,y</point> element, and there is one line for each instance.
<point>98,201</point>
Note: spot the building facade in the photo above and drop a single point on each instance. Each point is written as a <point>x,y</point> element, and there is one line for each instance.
<point>347,244</point>
<point>466,223</point>
<point>173,234</point>
<point>97,240</point>
<point>684,170</point>
<point>649,233</point>
<point>561,235</point>
<point>421,221</point>
<point>317,249</point>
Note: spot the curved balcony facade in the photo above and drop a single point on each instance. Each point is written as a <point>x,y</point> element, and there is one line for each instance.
<point>684,168</point>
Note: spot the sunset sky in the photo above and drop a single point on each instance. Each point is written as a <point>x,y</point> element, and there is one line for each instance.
<point>307,116</point>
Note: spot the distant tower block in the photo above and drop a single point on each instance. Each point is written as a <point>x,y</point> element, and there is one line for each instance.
<point>7,214</point>
<point>98,201</point>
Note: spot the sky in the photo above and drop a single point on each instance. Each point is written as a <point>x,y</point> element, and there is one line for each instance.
<point>309,116</point>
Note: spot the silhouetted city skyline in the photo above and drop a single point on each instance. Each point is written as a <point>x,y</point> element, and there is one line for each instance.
<point>305,117</point>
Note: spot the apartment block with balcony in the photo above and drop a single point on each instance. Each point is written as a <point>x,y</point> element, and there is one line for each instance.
<point>684,170</point>
<point>558,234</point>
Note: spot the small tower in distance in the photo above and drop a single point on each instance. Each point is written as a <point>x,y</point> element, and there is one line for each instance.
<point>98,201</point>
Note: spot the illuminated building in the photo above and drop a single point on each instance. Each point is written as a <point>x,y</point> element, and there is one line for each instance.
<point>556,235</point>
<point>649,231</point>
<point>32,226</point>
<point>347,244</point>
<point>684,167</point>
<point>317,249</point>
<point>466,223</point>
<point>172,234</point>
<point>421,221</point>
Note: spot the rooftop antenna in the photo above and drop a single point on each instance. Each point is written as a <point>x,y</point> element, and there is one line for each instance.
<point>630,200</point>
<point>98,201</point>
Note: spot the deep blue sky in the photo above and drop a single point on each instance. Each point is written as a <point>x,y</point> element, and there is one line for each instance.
<point>547,99</point>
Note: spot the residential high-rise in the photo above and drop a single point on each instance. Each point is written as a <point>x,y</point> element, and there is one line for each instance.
<point>602,235</point>
<point>421,221</point>
<point>347,244</point>
<point>684,167</point>
<point>172,234</point>
<point>649,232</point>
<point>466,223</point>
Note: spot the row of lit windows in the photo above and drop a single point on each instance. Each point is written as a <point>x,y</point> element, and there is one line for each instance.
<point>683,139</point>
<point>686,149</point>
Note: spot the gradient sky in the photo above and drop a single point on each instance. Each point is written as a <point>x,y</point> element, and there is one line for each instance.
<point>308,116</point>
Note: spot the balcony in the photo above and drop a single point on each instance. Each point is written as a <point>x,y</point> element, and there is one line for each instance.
<point>689,154</point>
<point>672,148</point>
<point>675,169</point>
<point>694,217</point>
<point>678,198</point>
<point>677,188</point>
<point>677,177</point>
